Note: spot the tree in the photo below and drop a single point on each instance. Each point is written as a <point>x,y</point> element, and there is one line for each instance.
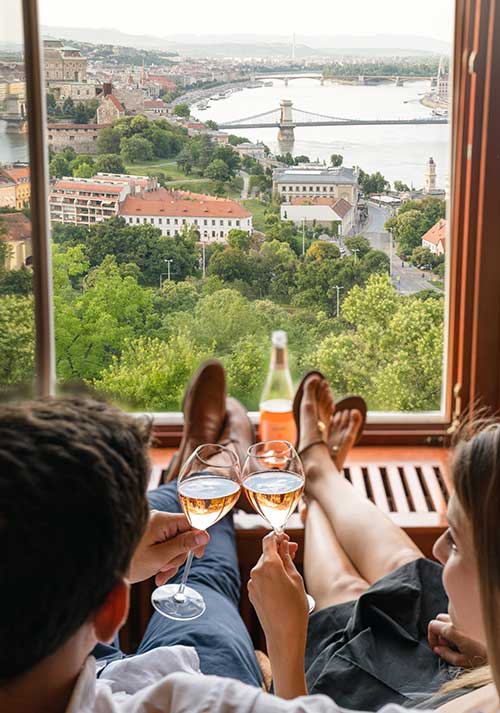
<point>422,257</point>
<point>151,374</point>
<point>210,124</point>
<point>164,143</point>
<point>321,250</point>
<point>51,103</point>
<point>83,170</point>
<point>136,149</point>
<point>376,261</point>
<point>239,239</point>
<point>374,183</point>
<point>80,115</point>
<point>286,158</point>
<point>229,156</point>
<point>218,170</point>
<point>69,108</point>
<point>400,187</point>
<point>185,160</point>
<point>15,282</point>
<point>59,167</point>
<point>108,140</point>
<point>232,264</point>
<point>392,351</point>
<point>359,243</point>
<point>17,340</point>
<point>408,228</point>
<point>182,110</point>
<point>336,159</point>
<point>109,163</point>
<point>302,158</point>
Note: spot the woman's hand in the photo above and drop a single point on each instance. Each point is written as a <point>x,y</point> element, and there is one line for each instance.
<point>453,646</point>
<point>165,546</point>
<point>277,593</point>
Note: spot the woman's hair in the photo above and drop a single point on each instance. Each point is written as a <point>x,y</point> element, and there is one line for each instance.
<point>476,476</point>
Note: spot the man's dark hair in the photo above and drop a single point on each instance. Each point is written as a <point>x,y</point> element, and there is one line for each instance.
<point>73,476</point>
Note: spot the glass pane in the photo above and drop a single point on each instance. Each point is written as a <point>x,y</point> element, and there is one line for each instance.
<point>209,188</point>
<point>16,300</point>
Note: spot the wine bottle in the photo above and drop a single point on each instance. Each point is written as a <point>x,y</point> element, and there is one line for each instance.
<point>276,415</point>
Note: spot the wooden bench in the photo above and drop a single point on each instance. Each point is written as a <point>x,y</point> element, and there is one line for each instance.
<point>411,484</point>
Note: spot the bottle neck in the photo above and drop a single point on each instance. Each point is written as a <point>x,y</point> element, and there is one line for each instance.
<point>279,358</point>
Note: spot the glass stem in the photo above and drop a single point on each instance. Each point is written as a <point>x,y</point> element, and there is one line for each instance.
<point>179,596</point>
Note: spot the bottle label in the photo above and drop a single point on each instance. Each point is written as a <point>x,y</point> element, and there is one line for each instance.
<point>276,421</point>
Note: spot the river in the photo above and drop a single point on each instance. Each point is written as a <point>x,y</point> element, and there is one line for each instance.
<point>13,147</point>
<point>398,152</point>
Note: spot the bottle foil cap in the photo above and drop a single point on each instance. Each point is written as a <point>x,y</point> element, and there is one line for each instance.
<point>279,339</point>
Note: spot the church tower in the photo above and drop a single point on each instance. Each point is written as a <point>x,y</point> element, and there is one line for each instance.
<point>430,177</point>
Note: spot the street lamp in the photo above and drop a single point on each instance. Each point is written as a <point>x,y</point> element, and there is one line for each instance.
<point>169,262</point>
<point>338,288</point>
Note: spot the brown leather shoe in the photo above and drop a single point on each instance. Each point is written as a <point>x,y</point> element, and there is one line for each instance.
<point>204,409</point>
<point>238,434</point>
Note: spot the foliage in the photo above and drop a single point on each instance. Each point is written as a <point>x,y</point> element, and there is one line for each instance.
<point>108,140</point>
<point>391,352</point>
<point>217,170</point>
<point>211,124</point>
<point>401,187</point>
<point>59,167</point>
<point>413,220</point>
<point>239,239</point>
<point>182,110</point>
<point>373,183</point>
<point>359,243</point>
<point>15,282</point>
<point>336,159</point>
<point>83,170</point>
<point>17,340</point>
<point>136,149</point>
<point>109,163</point>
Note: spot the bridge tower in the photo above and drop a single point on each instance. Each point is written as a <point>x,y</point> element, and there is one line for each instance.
<point>399,82</point>
<point>15,115</point>
<point>286,131</point>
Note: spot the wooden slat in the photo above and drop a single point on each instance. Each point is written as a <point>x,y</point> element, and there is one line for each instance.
<point>415,488</point>
<point>398,493</point>
<point>357,479</point>
<point>433,487</point>
<point>378,489</point>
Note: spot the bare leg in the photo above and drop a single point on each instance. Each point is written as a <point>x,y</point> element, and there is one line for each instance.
<point>330,576</point>
<point>369,538</point>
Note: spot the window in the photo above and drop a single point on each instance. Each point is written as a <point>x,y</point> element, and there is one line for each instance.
<point>408,376</point>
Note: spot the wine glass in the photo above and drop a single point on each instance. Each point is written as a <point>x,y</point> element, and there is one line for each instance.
<point>273,480</point>
<point>208,487</point>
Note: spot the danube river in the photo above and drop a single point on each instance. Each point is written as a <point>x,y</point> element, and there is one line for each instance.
<point>398,152</point>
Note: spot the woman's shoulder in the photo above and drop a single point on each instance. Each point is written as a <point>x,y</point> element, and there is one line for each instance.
<point>481,700</point>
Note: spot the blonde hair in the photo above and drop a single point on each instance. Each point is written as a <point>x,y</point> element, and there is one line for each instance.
<point>476,476</point>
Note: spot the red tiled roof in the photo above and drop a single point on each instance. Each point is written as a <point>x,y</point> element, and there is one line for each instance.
<point>176,203</point>
<point>437,233</point>
<point>154,104</point>
<point>18,174</point>
<point>76,186</point>
<point>17,226</point>
<point>342,207</point>
<point>116,102</point>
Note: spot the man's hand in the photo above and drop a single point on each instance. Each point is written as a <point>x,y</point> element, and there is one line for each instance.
<point>164,547</point>
<point>453,646</point>
<point>277,593</point>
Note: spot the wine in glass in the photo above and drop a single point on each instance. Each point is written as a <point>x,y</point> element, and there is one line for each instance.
<point>208,487</point>
<point>273,480</point>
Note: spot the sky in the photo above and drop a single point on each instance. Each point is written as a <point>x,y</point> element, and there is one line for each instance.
<point>429,18</point>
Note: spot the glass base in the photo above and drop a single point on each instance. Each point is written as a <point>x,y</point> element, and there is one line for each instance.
<point>311,602</point>
<point>182,607</point>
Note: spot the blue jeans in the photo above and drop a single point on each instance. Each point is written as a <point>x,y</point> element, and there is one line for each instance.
<point>219,635</point>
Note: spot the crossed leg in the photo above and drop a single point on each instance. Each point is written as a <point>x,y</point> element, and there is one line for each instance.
<point>350,543</point>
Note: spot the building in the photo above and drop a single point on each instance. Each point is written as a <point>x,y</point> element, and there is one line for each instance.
<point>7,192</point>
<point>335,214</point>
<point>170,211</point>
<point>308,181</point>
<point>110,109</point>
<point>78,91</point>
<point>166,85</point>
<point>442,83</point>
<point>17,236</point>
<point>84,201</point>
<point>63,63</point>
<point>256,151</point>
<point>435,238</point>
<point>20,177</point>
<point>156,106</point>
<point>81,137</point>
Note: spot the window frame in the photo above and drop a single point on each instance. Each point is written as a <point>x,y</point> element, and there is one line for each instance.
<point>472,364</point>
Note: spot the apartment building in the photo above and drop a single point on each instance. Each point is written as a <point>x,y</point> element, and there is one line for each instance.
<point>170,211</point>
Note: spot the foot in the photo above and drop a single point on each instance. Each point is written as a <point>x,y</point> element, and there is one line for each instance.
<point>342,434</point>
<point>204,410</point>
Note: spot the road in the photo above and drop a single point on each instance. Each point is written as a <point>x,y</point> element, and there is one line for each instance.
<point>407,279</point>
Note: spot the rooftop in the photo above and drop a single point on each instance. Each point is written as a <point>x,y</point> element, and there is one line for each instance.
<point>67,184</point>
<point>19,174</point>
<point>319,174</point>
<point>340,205</point>
<point>437,233</point>
<point>16,225</point>
<point>182,204</point>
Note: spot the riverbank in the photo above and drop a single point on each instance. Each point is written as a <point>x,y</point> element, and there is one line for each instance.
<point>195,95</point>
<point>431,101</point>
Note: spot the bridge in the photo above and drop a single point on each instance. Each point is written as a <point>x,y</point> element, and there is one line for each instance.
<point>15,115</point>
<point>362,79</point>
<point>286,119</point>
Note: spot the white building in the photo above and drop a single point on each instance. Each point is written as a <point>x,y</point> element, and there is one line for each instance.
<point>435,238</point>
<point>309,181</point>
<point>170,211</point>
<point>329,213</point>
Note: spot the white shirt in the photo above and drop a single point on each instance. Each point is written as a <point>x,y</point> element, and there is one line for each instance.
<point>168,680</point>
